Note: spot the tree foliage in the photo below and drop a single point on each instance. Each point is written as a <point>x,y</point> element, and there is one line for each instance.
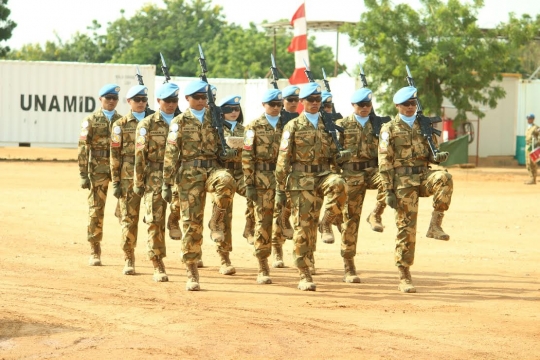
<point>6,26</point>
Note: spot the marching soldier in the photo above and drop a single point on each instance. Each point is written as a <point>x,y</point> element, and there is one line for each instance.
<point>193,147</point>
<point>304,169</point>
<point>404,157</point>
<point>532,137</point>
<point>149,153</point>
<point>94,167</point>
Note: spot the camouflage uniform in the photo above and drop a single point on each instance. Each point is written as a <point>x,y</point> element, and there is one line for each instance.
<point>531,136</point>
<point>404,156</point>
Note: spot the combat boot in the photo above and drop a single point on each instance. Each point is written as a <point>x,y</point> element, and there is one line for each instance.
<point>405,280</point>
<point>531,181</point>
<point>95,254</point>
<point>216,224</point>
<point>311,266</point>
<point>249,230</point>
<point>192,283</point>
<point>264,272</point>
<point>174,226</point>
<point>350,271</point>
<point>435,231</point>
<point>226,267</point>
<point>374,219</point>
<point>159,269</point>
<point>278,257</point>
<point>325,228</point>
<point>306,281</point>
<point>283,221</point>
<point>129,266</point>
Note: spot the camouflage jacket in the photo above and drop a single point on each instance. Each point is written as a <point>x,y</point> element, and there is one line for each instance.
<point>123,147</point>
<point>151,136</point>
<point>402,146</point>
<point>302,144</point>
<point>261,145</point>
<point>189,140</point>
<point>532,133</point>
<point>95,135</point>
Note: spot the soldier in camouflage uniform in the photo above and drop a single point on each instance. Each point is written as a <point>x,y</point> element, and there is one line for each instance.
<point>122,168</point>
<point>261,145</point>
<point>94,168</point>
<point>531,142</point>
<point>304,169</point>
<point>404,157</point>
<point>194,148</point>
<point>149,153</point>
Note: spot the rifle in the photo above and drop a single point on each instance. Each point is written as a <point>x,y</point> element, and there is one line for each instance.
<point>147,110</point>
<point>335,115</point>
<point>426,123</point>
<point>215,111</point>
<point>165,70</point>
<point>284,116</point>
<point>329,126</point>
<point>376,121</point>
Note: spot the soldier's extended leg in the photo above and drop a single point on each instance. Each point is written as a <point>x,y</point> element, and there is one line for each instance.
<point>440,185</point>
<point>173,224</point>
<point>279,231</point>
<point>531,169</point>
<point>406,216</point>
<point>249,228</point>
<point>97,198</point>
<point>129,204</point>
<point>356,191</point>
<point>155,219</point>
<point>335,190</point>
<point>225,247</point>
<point>264,211</point>
<point>374,219</point>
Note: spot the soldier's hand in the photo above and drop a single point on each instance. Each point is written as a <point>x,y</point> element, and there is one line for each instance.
<point>229,154</point>
<point>281,197</point>
<point>117,190</point>
<point>138,190</point>
<point>441,156</point>
<point>166,192</point>
<point>85,181</point>
<point>344,155</point>
<point>391,199</point>
<point>251,192</point>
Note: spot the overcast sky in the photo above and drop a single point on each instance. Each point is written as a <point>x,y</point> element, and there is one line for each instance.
<point>39,20</point>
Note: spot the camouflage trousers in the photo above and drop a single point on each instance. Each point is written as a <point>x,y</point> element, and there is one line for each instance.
<point>154,217</point>
<point>130,206</point>
<point>264,215</point>
<point>532,167</point>
<point>306,206</point>
<point>434,182</point>
<point>277,232</point>
<point>96,205</point>
<point>194,183</point>
<point>357,185</point>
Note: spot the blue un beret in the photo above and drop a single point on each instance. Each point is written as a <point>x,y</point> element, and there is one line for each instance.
<point>290,90</point>
<point>271,95</point>
<point>167,90</point>
<point>137,90</point>
<point>310,89</point>
<point>530,116</point>
<point>197,86</point>
<point>363,94</point>
<point>230,100</point>
<point>405,94</point>
<point>326,97</point>
<point>109,89</point>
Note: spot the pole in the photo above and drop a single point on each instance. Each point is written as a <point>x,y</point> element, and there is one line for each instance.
<point>337,53</point>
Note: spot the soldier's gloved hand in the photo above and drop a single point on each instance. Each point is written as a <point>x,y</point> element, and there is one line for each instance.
<point>281,197</point>
<point>251,192</point>
<point>391,199</point>
<point>85,181</point>
<point>441,156</point>
<point>229,154</point>
<point>344,155</point>
<point>117,190</point>
<point>138,190</point>
<point>166,192</point>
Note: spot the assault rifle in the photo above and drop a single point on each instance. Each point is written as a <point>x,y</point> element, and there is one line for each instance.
<point>215,111</point>
<point>147,111</point>
<point>335,115</point>
<point>376,121</point>
<point>329,126</point>
<point>426,123</point>
<point>165,70</point>
<point>284,116</point>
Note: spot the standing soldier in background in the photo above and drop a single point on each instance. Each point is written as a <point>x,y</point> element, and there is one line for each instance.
<point>261,147</point>
<point>404,157</point>
<point>123,139</point>
<point>304,169</point>
<point>149,153</point>
<point>193,147</point>
<point>531,142</point>
<point>94,167</point>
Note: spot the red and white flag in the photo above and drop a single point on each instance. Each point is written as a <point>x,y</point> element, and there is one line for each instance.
<point>299,46</point>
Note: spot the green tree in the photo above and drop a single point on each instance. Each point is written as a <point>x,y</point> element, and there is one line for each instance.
<point>6,26</point>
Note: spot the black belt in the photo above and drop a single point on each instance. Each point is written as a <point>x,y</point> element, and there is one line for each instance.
<point>265,166</point>
<point>233,165</point>
<point>409,170</point>
<point>310,168</point>
<point>100,153</point>
<point>128,159</point>
<point>357,166</point>
<point>155,165</point>
<point>201,163</point>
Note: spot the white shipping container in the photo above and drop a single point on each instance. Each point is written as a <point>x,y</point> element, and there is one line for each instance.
<point>43,103</point>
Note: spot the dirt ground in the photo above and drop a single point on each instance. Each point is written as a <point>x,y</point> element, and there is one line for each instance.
<point>478,294</point>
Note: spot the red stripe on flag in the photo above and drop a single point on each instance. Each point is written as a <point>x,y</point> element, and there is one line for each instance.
<point>298,43</point>
<point>300,13</point>
<point>298,77</point>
